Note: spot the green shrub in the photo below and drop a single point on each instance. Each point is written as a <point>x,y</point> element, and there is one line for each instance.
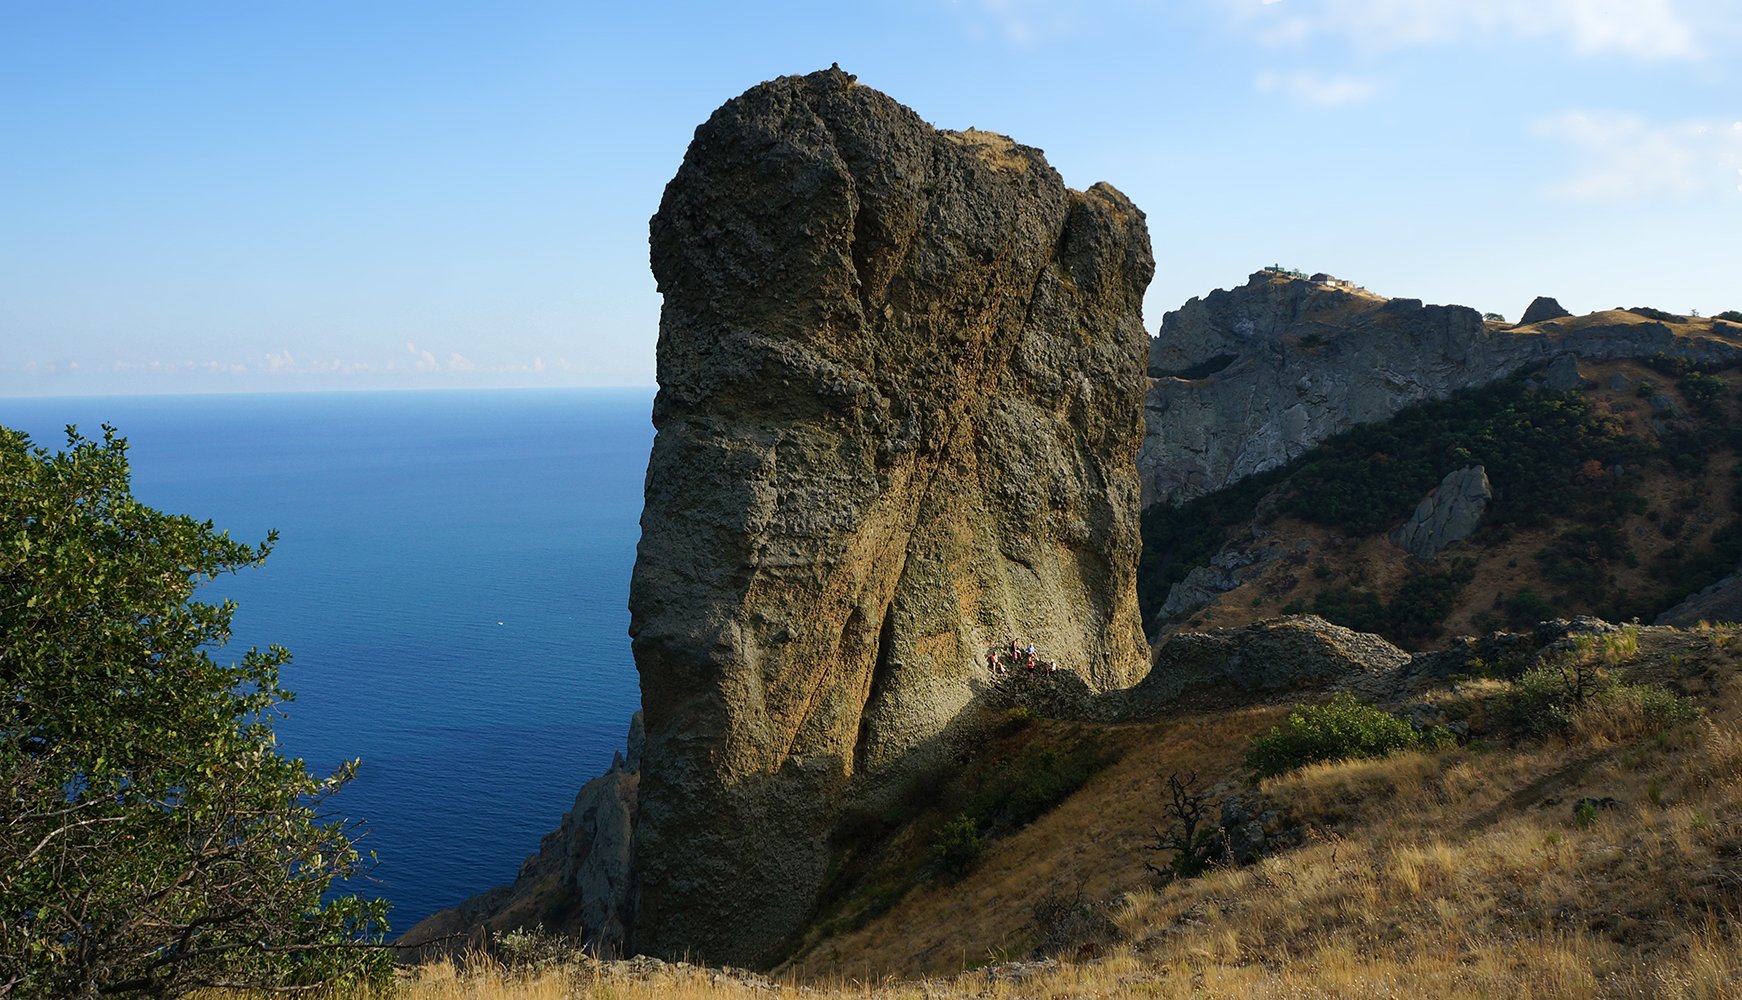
<point>1018,791</point>
<point>1415,613</point>
<point>1541,703</point>
<point>1011,793</point>
<point>1574,695</point>
<point>533,950</point>
<point>1351,607</point>
<point>1341,729</point>
<point>1525,608</point>
<point>1705,393</point>
<point>1661,707</point>
<point>1177,540</point>
<point>1016,720</point>
<point>958,845</point>
<point>1533,444</point>
<point>1732,315</point>
<point>1371,477</point>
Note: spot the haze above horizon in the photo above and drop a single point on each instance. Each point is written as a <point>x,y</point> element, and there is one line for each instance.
<point>207,197</point>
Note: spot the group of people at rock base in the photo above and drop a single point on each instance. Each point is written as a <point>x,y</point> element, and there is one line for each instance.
<point>1017,657</point>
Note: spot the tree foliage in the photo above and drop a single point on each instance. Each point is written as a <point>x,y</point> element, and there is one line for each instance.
<point>1369,478</point>
<point>154,841</point>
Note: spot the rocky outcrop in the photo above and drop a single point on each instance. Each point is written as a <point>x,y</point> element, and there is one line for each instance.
<point>1720,602</point>
<point>1541,309</point>
<point>580,883</point>
<point>598,854</point>
<point>901,383</point>
<point>1268,657</point>
<point>1450,513</point>
<point>1231,566</point>
<point>1245,380</point>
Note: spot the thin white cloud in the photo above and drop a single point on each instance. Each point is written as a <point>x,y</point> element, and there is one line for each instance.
<point>1644,29</point>
<point>1626,157</point>
<point>1025,22</point>
<point>1315,90</point>
<point>424,360</point>
<point>426,367</point>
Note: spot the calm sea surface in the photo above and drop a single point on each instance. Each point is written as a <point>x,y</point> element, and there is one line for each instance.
<point>452,574</point>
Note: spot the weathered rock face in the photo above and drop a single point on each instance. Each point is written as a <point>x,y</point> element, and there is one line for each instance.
<point>597,848</point>
<point>585,867</point>
<point>1448,514</point>
<point>1247,379</point>
<point>1720,602</point>
<point>901,383</point>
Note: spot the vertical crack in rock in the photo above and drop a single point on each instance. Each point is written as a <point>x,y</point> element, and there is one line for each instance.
<point>901,384</point>
<point>884,663</point>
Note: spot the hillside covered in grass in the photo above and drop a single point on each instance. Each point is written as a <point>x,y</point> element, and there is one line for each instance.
<point>1578,838</point>
<point>1615,497</point>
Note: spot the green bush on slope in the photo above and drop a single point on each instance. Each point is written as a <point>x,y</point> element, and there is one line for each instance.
<point>1341,729</point>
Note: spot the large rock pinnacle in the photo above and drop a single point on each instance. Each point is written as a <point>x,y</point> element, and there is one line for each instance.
<point>901,385</point>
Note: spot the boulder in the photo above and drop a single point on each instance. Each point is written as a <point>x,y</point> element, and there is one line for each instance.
<point>1250,825</point>
<point>1450,513</point>
<point>1542,309</point>
<point>901,381</point>
<point>1265,658</point>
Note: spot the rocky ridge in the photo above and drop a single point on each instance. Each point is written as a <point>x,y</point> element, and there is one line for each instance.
<point>579,883</point>
<point>1249,378</point>
<point>901,382</point>
<point>1264,659</point>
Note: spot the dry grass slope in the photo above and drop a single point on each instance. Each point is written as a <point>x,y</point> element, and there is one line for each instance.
<point>1463,873</point>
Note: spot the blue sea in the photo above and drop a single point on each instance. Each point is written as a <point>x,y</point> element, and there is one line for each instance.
<point>451,576</point>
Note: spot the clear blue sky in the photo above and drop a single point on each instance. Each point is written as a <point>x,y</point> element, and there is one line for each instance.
<point>233,196</point>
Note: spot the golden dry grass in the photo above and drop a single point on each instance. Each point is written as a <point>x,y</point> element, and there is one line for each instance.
<point>1465,873</point>
<point>1093,841</point>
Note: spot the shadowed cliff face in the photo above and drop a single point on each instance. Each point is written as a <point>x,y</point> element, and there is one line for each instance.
<point>902,375</point>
